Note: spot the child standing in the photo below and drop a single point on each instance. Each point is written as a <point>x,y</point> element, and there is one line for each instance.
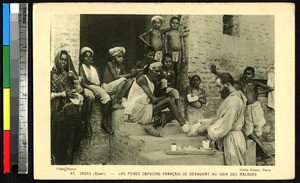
<point>254,117</point>
<point>155,36</point>
<point>195,100</point>
<point>174,45</point>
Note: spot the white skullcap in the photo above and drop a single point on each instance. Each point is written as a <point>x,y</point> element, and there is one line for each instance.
<point>116,50</point>
<point>157,17</point>
<point>85,49</point>
<point>155,64</point>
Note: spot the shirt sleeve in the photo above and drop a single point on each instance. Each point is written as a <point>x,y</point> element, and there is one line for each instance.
<point>223,125</point>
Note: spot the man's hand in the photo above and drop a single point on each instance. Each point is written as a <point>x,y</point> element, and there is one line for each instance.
<point>71,74</point>
<point>71,94</point>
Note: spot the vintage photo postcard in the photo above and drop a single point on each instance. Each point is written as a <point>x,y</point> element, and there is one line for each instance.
<point>164,90</point>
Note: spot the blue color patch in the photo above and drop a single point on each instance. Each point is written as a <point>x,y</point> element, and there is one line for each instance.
<point>6,24</point>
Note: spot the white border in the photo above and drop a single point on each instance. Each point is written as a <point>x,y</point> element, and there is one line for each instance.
<point>285,86</point>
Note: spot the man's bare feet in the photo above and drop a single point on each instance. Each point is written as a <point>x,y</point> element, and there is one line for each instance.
<point>152,131</point>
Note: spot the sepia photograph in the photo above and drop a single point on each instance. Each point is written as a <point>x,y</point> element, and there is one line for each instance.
<point>159,88</point>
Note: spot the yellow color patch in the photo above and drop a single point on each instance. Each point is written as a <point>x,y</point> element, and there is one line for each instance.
<point>6,109</point>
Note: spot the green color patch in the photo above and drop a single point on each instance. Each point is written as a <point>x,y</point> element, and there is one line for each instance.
<point>6,66</point>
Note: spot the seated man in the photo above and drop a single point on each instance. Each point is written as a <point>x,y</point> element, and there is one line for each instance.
<point>142,105</point>
<point>122,92</point>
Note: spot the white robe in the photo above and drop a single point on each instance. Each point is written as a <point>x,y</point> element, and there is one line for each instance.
<point>226,128</point>
<point>138,105</point>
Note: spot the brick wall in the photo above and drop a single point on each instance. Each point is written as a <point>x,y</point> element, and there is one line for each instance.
<point>208,45</point>
<point>65,34</point>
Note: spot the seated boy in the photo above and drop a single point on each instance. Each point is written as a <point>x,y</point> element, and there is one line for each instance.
<point>195,100</point>
<point>148,59</point>
<point>93,88</point>
<point>115,76</point>
<point>167,84</point>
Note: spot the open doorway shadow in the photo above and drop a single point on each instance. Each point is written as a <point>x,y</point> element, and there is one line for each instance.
<point>102,32</point>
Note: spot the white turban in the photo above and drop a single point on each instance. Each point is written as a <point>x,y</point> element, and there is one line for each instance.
<point>116,50</point>
<point>155,64</point>
<point>157,17</point>
<point>85,49</point>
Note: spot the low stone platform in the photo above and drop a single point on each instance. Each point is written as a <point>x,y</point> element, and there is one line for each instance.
<point>131,145</point>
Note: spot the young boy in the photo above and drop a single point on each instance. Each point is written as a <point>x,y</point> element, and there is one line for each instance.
<point>93,88</point>
<point>254,115</point>
<point>115,76</point>
<point>195,99</point>
<point>149,54</point>
<point>155,36</point>
<point>168,79</point>
<point>174,45</point>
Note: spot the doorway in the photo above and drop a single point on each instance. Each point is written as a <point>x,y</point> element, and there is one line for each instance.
<point>102,32</point>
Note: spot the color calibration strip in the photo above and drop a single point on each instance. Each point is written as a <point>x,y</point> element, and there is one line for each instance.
<point>15,88</point>
<point>6,88</point>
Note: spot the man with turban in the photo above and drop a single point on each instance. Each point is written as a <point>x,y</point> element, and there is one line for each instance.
<point>142,105</point>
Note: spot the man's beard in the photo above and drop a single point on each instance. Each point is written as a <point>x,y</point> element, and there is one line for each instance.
<point>225,92</point>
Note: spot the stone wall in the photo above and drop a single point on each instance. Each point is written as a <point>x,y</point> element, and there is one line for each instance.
<point>65,34</point>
